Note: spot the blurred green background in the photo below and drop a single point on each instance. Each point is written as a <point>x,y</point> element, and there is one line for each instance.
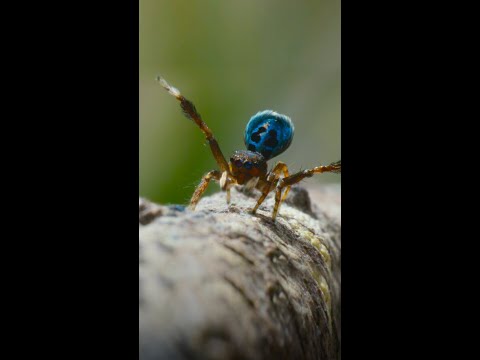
<point>233,59</point>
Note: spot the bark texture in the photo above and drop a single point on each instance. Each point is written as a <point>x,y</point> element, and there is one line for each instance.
<point>220,283</point>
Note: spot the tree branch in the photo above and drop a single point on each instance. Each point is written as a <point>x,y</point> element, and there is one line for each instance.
<point>220,283</point>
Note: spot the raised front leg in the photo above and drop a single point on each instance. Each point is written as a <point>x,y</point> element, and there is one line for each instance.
<point>191,112</point>
<point>214,174</point>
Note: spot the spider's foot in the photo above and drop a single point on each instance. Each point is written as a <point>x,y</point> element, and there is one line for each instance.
<point>254,210</point>
<point>274,215</point>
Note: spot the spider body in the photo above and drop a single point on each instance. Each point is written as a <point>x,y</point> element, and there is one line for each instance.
<point>267,135</point>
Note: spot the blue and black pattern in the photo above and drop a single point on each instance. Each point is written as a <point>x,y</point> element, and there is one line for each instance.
<point>269,133</point>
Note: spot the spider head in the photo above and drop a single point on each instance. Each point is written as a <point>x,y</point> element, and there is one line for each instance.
<point>245,165</point>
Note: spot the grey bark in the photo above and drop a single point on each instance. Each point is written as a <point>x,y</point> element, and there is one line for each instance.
<point>220,283</point>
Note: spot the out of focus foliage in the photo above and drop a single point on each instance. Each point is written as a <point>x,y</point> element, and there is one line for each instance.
<point>233,59</point>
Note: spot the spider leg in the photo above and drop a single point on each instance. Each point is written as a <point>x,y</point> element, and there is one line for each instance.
<point>272,179</point>
<point>288,181</point>
<point>191,112</point>
<point>265,192</point>
<point>295,178</point>
<point>278,201</point>
<point>225,184</point>
<point>214,174</point>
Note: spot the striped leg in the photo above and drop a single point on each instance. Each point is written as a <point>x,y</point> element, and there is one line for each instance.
<point>191,112</point>
<point>288,181</point>
<point>272,179</point>
<point>214,174</point>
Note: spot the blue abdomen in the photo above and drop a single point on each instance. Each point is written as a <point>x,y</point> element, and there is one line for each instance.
<point>269,133</point>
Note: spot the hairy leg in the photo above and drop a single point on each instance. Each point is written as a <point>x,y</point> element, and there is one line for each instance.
<point>225,184</point>
<point>278,201</point>
<point>214,174</point>
<point>295,178</point>
<point>191,112</point>
<point>228,195</point>
<point>272,179</point>
<point>288,181</point>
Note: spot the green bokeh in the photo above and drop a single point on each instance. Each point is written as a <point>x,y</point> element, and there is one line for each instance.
<point>233,59</point>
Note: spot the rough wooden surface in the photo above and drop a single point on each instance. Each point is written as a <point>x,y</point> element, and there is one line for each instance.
<point>220,283</point>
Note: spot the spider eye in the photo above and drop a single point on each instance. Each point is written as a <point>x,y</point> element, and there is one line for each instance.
<point>248,165</point>
<point>238,163</point>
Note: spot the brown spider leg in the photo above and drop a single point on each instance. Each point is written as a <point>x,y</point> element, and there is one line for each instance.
<point>278,201</point>
<point>297,177</point>
<point>225,184</point>
<point>228,196</point>
<point>286,174</point>
<point>191,112</point>
<point>265,192</point>
<point>272,179</point>
<point>214,174</point>
<point>335,167</point>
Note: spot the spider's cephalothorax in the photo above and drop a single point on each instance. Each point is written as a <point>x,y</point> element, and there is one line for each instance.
<point>247,165</point>
<point>267,135</point>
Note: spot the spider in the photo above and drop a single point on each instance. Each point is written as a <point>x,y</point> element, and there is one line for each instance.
<point>267,135</point>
